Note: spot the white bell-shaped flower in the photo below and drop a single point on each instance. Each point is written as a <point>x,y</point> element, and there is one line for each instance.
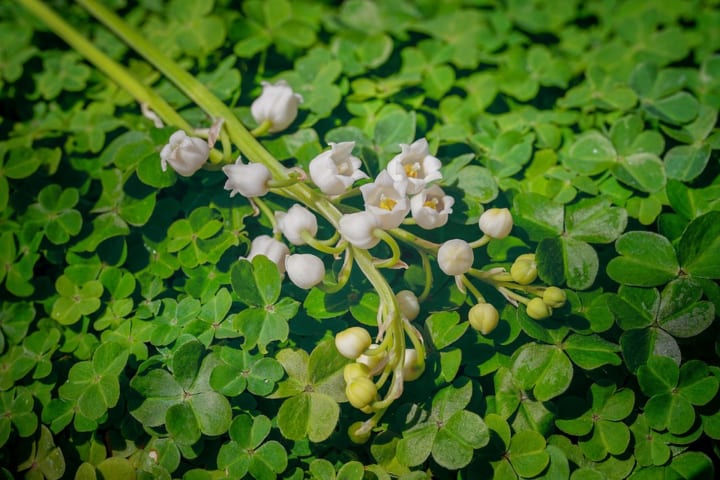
<point>304,269</point>
<point>415,165</point>
<point>358,229</point>
<point>335,170</point>
<point>496,222</point>
<point>408,303</point>
<point>249,180</point>
<point>185,154</point>
<point>455,257</point>
<point>386,200</point>
<point>273,249</point>
<point>431,207</point>
<point>294,222</point>
<point>352,342</point>
<point>277,104</point>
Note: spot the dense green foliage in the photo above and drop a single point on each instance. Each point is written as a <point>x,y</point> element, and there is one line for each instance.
<point>135,344</point>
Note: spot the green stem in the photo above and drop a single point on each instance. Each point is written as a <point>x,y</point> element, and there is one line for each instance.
<point>261,129</point>
<point>482,241</point>
<point>415,241</point>
<point>428,276</point>
<point>394,248</point>
<point>116,72</point>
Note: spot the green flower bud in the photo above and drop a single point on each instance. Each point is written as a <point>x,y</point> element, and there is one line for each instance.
<point>355,370</point>
<point>554,297</point>
<point>356,436</point>
<point>484,318</point>
<point>524,270</point>
<point>352,342</point>
<point>408,303</point>
<point>537,309</point>
<point>361,392</point>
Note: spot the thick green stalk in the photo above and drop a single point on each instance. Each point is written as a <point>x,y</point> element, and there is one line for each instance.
<point>107,65</point>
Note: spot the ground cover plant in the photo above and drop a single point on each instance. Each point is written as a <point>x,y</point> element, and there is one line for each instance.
<point>359,239</point>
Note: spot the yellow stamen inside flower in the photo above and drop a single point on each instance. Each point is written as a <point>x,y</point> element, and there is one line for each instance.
<point>431,203</point>
<point>412,170</point>
<point>387,203</point>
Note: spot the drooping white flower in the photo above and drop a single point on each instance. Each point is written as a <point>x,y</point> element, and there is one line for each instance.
<point>278,104</point>
<point>249,180</point>
<point>496,222</point>
<point>333,171</point>
<point>358,229</point>
<point>273,249</point>
<point>415,165</point>
<point>455,257</point>
<point>386,200</point>
<point>408,303</point>
<point>430,208</point>
<point>294,222</point>
<point>185,154</point>
<point>304,269</point>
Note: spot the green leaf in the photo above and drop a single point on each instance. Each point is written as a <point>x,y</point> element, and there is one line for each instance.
<point>700,246</point>
<point>539,216</point>
<point>444,329</point>
<point>309,414</point>
<point>686,162</point>
<point>595,221</point>
<point>646,259</point>
<point>591,351</point>
<point>455,442</point>
<point>638,345</point>
<point>527,453</point>
<point>592,153</point>
<point>644,171</point>
<point>544,368</point>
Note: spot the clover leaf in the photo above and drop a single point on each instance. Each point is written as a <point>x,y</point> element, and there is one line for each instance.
<point>183,400</point>
<point>312,390</point>
<point>241,370</point>
<point>248,453</point>
<point>266,318</point>
<point>16,409</point>
<point>450,433</point>
<point>674,391</point>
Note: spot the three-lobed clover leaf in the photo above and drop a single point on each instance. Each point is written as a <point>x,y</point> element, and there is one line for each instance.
<point>450,433</point>
<point>16,409</point>
<point>75,300</point>
<point>314,386</point>
<point>248,452</point>
<point>258,284</point>
<point>241,370</point>
<point>651,320</point>
<point>54,212</point>
<point>599,420</point>
<point>183,401</point>
<point>674,392</point>
<point>46,460</point>
<point>564,253</point>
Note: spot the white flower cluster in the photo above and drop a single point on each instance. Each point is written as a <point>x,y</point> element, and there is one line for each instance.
<point>405,186</point>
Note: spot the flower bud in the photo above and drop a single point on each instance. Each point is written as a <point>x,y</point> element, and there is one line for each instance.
<point>537,309</point>
<point>455,257</point>
<point>524,269</point>
<point>355,370</point>
<point>294,222</point>
<point>358,433</point>
<point>358,229</point>
<point>185,154</point>
<point>277,104</point>
<point>408,304</point>
<point>273,249</point>
<point>361,392</point>
<point>249,180</point>
<point>412,369</point>
<point>352,342</point>
<point>374,362</point>
<point>305,270</point>
<point>554,297</point>
<point>484,318</point>
<point>496,222</point>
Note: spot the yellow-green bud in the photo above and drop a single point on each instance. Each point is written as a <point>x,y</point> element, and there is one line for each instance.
<point>484,318</point>
<point>356,436</point>
<point>554,297</point>
<point>412,369</point>
<point>538,309</point>
<point>524,269</point>
<point>355,370</point>
<point>361,392</point>
<point>408,303</point>
<point>352,342</point>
